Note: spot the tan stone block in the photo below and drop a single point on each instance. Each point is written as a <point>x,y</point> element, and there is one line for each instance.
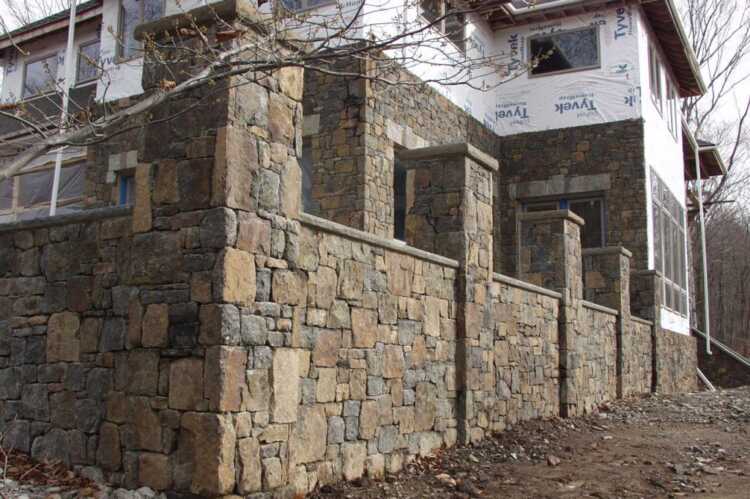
<point>155,325</point>
<point>225,378</point>
<point>275,433</point>
<point>213,452</point>
<point>90,331</point>
<point>368,419</point>
<point>109,454</point>
<point>418,353</point>
<point>393,361</point>
<point>353,456</point>
<point>147,425</point>
<point>376,466</point>
<point>310,434</point>
<point>280,119</point>
<point>431,316</point>
<point>304,362</point>
<point>273,473</point>
<point>291,82</point>
<point>186,384</point>
<point>325,282</point>
<point>399,273</point>
<point>253,234</point>
<point>326,351</point>
<point>285,385</point>
<point>291,185</point>
<point>63,340</point>
<point>351,280</point>
<point>234,277</point>
<point>142,208</point>
<point>259,390</point>
<point>154,471</point>
<point>326,385</point>
<point>289,287</point>
<point>166,189</point>
<point>364,327</point>
<point>425,407</point>
<point>404,417</point>
<point>358,384</point>
<point>250,467</point>
<point>235,160</point>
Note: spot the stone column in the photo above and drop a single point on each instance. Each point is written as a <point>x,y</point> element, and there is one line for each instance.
<point>607,283</point>
<point>550,256</point>
<point>452,216</point>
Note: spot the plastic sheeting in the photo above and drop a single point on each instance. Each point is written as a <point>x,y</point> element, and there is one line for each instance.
<point>610,92</point>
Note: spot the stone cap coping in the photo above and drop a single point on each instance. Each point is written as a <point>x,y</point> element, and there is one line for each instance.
<point>599,308</point>
<point>460,149</point>
<point>536,216</point>
<point>389,244</point>
<point>608,250</point>
<point>68,218</point>
<point>641,321</point>
<point>526,286</point>
<point>226,10</point>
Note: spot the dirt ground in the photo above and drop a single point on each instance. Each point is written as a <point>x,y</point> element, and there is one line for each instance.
<point>695,445</point>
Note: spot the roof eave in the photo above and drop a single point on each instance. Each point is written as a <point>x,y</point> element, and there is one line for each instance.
<point>688,47</point>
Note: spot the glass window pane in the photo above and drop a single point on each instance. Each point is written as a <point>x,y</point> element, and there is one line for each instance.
<point>565,50</point>
<point>35,188</point>
<point>308,200</point>
<point>40,77</point>
<point>455,28</point>
<point>593,230</point>
<point>152,10</point>
<point>88,60</point>
<point>399,202</point>
<point>71,182</point>
<point>658,240</point>
<point>430,9</point>
<point>130,17</point>
<point>6,194</point>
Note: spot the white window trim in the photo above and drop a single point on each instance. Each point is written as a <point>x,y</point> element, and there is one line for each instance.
<point>530,56</point>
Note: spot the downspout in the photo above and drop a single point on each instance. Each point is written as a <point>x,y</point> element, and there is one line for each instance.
<point>704,264</point>
<point>69,75</point>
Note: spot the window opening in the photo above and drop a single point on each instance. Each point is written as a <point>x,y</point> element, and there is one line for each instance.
<point>564,51</point>
<point>133,13</point>
<point>591,210</point>
<point>40,76</point>
<point>399,202</point>
<point>88,62</point>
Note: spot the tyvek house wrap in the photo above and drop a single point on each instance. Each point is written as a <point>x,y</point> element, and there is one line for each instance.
<point>611,92</point>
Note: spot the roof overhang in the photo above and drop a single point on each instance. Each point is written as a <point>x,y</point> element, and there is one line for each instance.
<point>709,156</point>
<point>662,16</point>
<point>51,24</point>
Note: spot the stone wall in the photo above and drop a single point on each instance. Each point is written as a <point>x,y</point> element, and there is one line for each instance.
<point>637,364</point>
<point>606,160</point>
<point>675,362</point>
<point>597,353</point>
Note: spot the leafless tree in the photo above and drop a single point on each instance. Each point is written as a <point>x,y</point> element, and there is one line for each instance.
<point>395,37</point>
<point>719,31</point>
<point>17,13</point>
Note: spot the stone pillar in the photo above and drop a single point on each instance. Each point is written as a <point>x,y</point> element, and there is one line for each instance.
<point>452,216</point>
<point>607,283</point>
<point>550,256</point>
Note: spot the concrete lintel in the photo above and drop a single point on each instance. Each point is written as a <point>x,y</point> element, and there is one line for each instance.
<point>608,250</point>
<point>226,10</point>
<point>648,273</point>
<point>536,216</point>
<point>561,185</point>
<point>526,286</point>
<point>460,149</point>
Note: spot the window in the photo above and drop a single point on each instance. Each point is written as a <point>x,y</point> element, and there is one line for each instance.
<point>673,110</point>
<point>564,51</point>
<point>399,202</point>
<point>453,26</point>
<point>133,13</point>
<point>300,5</point>
<point>40,76</point>
<point>654,77</point>
<point>126,190</point>
<point>88,62</point>
<point>591,210</point>
<point>669,244</point>
<point>28,195</point>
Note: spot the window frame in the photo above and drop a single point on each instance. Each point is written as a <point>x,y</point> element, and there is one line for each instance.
<point>80,58</point>
<point>563,203</point>
<point>307,8</point>
<point>17,209</point>
<point>530,56</point>
<point>670,260</point>
<point>119,55</point>
<point>656,70</point>
<point>26,65</point>
<point>440,27</point>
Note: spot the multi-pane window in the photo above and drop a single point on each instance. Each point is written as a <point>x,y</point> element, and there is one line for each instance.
<point>654,77</point>
<point>88,62</point>
<point>28,195</point>
<point>564,51</point>
<point>299,5</point>
<point>673,119</point>
<point>126,189</point>
<point>40,76</point>
<point>591,210</point>
<point>452,25</point>
<point>133,13</point>
<point>669,244</point>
